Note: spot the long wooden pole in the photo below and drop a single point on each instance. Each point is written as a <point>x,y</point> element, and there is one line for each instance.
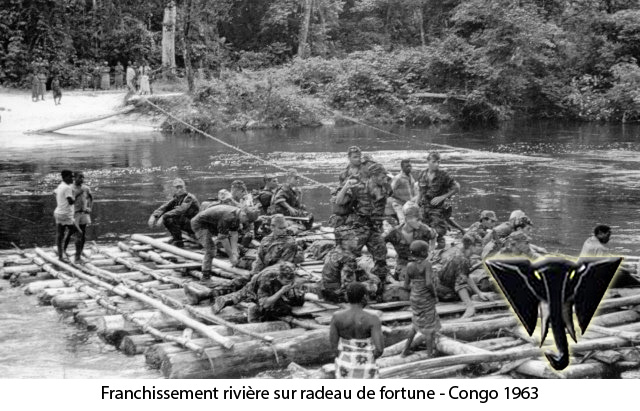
<point>80,122</point>
<point>223,265</point>
<point>189,322</point>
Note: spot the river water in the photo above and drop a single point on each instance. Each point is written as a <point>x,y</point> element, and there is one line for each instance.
<point>566,177</point>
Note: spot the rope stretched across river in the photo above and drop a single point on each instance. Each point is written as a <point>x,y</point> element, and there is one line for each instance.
<point>238,149</point>
<point>272,164</point>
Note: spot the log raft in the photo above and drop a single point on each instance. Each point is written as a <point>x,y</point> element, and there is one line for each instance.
<point>131,293</point>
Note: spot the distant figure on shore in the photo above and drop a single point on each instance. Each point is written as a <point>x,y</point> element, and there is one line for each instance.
<point>64,213</point>
<point>87,77</point>
<point>42,87</point>
<point>97,70</point>
<point>35,86</point>
<point>83,202</point>
<point>56,89</point>
<point>117,79</point>
<point>131,76</point>
<point>105,82</point>
<point>145,89</point>
<point>356,335</point>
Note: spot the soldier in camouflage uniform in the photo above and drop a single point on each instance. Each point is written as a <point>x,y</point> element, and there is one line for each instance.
<point>368,200</point>
<point>484,226</point>
<point>435,187</point>
<point>403,235</point>
<point>341,269</point>
<point>287,200</point>
<point>272,292</point>
<point>278,246</point>
<point>177,213</point>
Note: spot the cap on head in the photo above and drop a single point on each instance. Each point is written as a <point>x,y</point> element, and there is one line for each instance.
<point>224,195</point>
<point>178,182</point>
<point>411,209</point>
<point>354,149</point>
<point>292,173</point>
<point>278,220</point>
<point>488,214</point>
<point>268,177</point>
<point>419,249</point>
<point>434,155</point>
<point>377,168</point>
<point>516,214</point>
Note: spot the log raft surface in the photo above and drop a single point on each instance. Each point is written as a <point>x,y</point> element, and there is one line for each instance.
<point>132,295</point>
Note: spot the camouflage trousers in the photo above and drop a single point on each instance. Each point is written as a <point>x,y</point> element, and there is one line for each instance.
<point>436,218</point>
<point>371,236</point>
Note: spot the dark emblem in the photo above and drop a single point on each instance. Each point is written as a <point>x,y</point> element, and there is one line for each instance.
<point>554,287</point>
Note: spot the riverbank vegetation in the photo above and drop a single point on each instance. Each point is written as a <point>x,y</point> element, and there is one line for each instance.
<point>281,63</point>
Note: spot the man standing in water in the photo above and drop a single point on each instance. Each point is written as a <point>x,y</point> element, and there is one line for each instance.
<point>83,202</point>
<point>356,335</point>
<point>65,224</point>
<point>594,246</point>
<point>435,187</point>
<point>403,187</point>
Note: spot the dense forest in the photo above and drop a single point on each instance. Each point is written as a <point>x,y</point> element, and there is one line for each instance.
<point>383,60</point>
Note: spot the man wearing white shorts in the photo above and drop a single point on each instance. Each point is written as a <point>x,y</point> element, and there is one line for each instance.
<point>64,213</point>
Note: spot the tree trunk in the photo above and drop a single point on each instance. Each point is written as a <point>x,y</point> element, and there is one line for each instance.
<point>419,16</point>
<point>186,44</point>
<point>169,39</point>
<point>303,47</point>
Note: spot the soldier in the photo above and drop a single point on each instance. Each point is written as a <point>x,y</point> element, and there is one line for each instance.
<point>264,196</point>
<point>176,214</point>
<point>454,282</point>
<point>517,244</point>
<point>368,200</point>
<point>403,235</point>
<point>484,226</point>
<point>272,293</point>
<point>353,168</point>
<point>341,269</point>
<point>222,221</point>
<point>403,186</point>
<point>240,195</point>
<point>287,200</point>
<point>83,203</point>
<point>436,186</point>
<point>278,246</point>
<point>518,221</point>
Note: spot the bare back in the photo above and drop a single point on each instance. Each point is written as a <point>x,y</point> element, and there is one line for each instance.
<point>354,323</point>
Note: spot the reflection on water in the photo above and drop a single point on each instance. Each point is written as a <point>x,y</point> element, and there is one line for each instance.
<point>568,178</point>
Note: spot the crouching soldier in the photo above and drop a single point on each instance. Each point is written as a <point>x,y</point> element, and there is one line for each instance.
<point>454,283</point>
<point>222,221</point>
<point>273,293</point>
<point>287,201</point>
<point>341,269</point>
<point>176,214</point>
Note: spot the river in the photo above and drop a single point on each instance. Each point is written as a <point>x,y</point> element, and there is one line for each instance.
<point>567,177</point>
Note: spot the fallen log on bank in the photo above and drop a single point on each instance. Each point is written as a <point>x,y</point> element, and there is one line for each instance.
<point>74,123</point>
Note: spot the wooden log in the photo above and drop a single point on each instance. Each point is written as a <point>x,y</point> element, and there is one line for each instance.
<point>631,374</point>
<point>36,287</point>
<point>73,123</point>
<point>18,269</point>
<point>46,295</point>
<point>68,301</point>
<point>223,265</point>
<point>254,356</point>
<point>26,279</point>
<point>77,273</point>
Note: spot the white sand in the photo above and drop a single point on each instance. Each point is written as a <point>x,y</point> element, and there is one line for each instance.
<point>19,114</point>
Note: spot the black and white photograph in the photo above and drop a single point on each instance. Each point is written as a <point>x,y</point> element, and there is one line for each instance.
<point>320,189</point>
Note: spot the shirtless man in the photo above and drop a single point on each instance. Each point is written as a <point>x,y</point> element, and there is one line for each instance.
<point>356,336</point>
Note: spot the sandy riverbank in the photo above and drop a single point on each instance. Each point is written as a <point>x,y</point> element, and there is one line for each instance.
<point>19,114</point>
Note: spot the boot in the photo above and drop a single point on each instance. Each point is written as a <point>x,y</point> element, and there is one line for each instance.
<point>206,275</point>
